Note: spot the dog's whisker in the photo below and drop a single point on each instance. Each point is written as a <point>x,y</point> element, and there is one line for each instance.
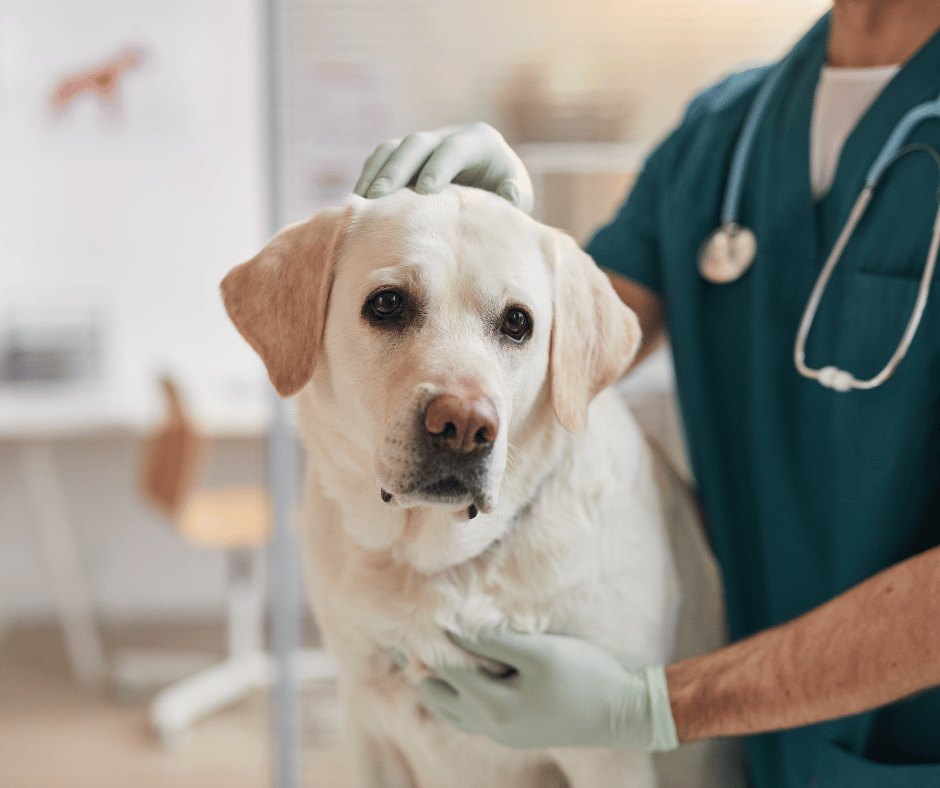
<point>511,447</point>
<point>512,460</point>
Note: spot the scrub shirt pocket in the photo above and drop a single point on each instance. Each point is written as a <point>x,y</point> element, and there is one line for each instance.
<point>873,315</point>
<point>869,315</point>
<point>886,456</point>
<point>834,767</point>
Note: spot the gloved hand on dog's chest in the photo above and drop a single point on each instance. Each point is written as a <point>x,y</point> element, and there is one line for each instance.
<point>562,692</point>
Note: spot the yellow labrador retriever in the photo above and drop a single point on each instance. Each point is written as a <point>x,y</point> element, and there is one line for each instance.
<point>469,468</point>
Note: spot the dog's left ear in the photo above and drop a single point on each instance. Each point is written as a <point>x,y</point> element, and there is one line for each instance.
<point>277,300</point>
<point>594,334</point>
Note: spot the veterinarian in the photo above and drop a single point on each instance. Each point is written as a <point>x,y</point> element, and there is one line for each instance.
<point>822,497</point>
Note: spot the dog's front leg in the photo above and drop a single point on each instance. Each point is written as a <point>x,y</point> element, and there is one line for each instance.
<point>601,768</point>
<point>376,762</point>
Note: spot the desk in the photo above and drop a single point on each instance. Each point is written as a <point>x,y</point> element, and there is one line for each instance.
<point>33,417</point>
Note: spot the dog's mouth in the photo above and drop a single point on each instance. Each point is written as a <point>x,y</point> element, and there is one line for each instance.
<point>446,491</point>
<point>449,490</point>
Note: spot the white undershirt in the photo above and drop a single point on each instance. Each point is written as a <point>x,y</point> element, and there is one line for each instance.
<point>842,97</point>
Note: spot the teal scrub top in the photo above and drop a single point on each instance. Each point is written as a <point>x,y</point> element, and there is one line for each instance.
<point>807,491</point>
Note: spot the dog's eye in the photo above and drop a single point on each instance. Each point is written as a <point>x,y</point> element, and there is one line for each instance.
<point>386,304</point>
<point>516,324</point>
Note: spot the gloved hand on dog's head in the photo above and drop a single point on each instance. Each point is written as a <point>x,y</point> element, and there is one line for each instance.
<point>474,154</point>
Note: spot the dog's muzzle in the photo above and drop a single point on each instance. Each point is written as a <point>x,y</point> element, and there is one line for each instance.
<point>454,437</point>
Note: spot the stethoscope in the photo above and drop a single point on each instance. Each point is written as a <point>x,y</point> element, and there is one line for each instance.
<point>728,252</point>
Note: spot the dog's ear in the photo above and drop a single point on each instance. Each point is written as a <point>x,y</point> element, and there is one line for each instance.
<point>278,299</point>
<point>594,334</point>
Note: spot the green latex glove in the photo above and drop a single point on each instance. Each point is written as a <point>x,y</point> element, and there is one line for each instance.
<point>473,155</point>
<point>560,692</point>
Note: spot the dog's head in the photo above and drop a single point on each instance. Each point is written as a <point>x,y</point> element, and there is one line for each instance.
<point>440,328</point>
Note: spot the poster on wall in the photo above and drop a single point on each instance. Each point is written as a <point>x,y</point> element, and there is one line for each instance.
<point>102,79</point>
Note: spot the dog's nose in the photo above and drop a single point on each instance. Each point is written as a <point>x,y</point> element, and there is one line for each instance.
<point>463,424</point>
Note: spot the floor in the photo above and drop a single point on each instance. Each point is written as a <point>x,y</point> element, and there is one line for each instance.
<point>53,735</point>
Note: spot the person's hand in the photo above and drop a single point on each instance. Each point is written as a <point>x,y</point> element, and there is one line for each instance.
<point>556,692</point>
<point>472,155</point>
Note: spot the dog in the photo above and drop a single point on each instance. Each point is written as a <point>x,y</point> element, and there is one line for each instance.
<point>470,467</point>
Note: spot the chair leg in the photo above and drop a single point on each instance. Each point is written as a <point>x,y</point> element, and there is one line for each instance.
<point>248,666</point>
<point>246,601</point>
<point>175,709</point>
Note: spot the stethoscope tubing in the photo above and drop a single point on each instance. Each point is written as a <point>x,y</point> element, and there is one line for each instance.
<point>742,150</point>
<point>832,376</point>
<point>891,150</point>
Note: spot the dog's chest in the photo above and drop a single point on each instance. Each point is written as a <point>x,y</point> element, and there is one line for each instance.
<point>588,557</point>
<point>374,608</point>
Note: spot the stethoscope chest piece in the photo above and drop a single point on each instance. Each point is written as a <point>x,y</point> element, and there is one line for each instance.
<point>726,254</point>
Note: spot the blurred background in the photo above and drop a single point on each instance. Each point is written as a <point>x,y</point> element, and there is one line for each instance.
<point>134,172</point>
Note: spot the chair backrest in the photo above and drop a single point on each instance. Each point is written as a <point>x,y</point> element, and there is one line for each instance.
<point>174,457</point>
<point>172,466</point>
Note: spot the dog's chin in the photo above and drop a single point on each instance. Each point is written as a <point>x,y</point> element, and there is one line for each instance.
<point>433,544</point>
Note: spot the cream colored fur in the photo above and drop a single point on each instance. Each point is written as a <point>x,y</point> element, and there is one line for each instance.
<point>581,530</point>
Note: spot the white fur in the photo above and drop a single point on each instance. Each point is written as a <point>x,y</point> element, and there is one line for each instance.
<point>571,536</point>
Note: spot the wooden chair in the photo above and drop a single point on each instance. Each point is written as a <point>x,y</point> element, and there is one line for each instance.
<point>173,463</point>
<point>234,519</point>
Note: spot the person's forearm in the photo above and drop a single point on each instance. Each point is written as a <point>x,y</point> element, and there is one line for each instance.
<point>649,310</point>
<point>874,644</point>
